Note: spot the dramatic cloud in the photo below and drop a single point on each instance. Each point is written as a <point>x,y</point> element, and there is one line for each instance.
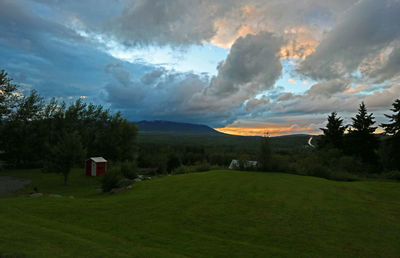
<point>365,30</point>
<point>279,64</point>
<point>329,88</point>
<point>44,55</point>
<point>182,22</point>
<point>178,22</point>
<point>253,63</point>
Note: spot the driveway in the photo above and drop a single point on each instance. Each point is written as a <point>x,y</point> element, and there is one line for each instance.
<point>9,185</point>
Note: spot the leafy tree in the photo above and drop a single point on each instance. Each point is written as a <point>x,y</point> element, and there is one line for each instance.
<point>333,133</point>
<point>30,129</point>
<point>393,129</point>
<point>22,139</point>
<point>8,95</point>
<point>65,154</point>
<point>362,140</point>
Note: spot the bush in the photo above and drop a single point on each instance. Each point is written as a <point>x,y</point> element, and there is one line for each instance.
<point>343,176</point>
<point>129,169</point>
<point>110,179</point>
<point>393,175</point>
<point>182,169</point>
<point>204,166</point>
<point>279,163</point>
<point>328,164</point>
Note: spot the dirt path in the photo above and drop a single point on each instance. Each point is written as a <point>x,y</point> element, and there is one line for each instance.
<point>8,185</point>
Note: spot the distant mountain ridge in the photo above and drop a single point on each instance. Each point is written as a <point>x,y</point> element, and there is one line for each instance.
<point>175,127</point>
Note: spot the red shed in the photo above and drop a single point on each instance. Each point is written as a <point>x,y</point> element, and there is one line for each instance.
<point>96,166</point>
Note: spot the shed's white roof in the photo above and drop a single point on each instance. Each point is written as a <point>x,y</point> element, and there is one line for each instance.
<point>98,159</point>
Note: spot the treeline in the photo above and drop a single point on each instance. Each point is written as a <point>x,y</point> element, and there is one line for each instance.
<point>57,135</point>
<point>374,152</point>
<point>345,152</point>
<point>188,155</point>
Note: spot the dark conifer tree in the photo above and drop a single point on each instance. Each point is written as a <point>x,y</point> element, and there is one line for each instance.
<point>333,133</point>
<point>362,140</point>
<point>393,129</point>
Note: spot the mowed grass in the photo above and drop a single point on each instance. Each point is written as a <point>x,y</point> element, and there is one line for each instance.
<point>210,214</point>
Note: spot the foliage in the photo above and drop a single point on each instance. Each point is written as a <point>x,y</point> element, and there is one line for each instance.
<point>172,163</point>
<point>280,163</point>
<point>63,156</point>
<point>110,179</point>
<point>393,175</point>
<point>203,166</point>
<point>8,95</point>
<point>30,128</point>
<point>182,169</point>
<point>361,139</point>
<point>23,137</point>
<point>393,128</point>
<point>330,164</point>
<point>129,169</point>
<point>393,142</point>
<point>264,155</point>
<point>333,133</point>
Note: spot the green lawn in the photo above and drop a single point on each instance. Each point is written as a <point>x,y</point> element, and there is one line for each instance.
<point>211,214</point>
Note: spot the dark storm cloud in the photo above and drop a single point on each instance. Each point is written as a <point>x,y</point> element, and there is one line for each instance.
<point>158,94</point>
<point>177,22</point>
<point>46,55</point>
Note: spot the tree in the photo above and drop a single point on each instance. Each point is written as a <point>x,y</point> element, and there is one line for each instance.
<point>22,139</point>
<point>264,155</point>
<point>362,140</point>
<point>8,95</point>
<point>393,130</point>
<point>67,153</point>
<point>29,129</point>
<point>333,133</point>
<point>172,163</point>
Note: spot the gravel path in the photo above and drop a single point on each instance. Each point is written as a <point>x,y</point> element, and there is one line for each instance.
<point>8,185</point>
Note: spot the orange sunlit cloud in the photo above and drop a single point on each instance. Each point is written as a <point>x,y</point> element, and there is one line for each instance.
<point>357,89</point>
<point>228,30</point>
<point>272,130</point>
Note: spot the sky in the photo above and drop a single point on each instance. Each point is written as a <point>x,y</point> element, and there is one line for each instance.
<point>242,67</point>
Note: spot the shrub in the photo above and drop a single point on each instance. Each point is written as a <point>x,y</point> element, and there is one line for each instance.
<point>110,179</point>
<point>204,166</point>
<point>182,169</point>
<point>129,169</point>
<point>279,163</point>
<point>393,175</point>
<point>328,164</point>
<point>342,176</point>
<point>172,163</point>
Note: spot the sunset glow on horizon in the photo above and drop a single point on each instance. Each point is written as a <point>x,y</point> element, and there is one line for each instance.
<point>277,131</point>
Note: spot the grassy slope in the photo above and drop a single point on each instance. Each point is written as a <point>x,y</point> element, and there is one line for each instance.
<point>218,213</point>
